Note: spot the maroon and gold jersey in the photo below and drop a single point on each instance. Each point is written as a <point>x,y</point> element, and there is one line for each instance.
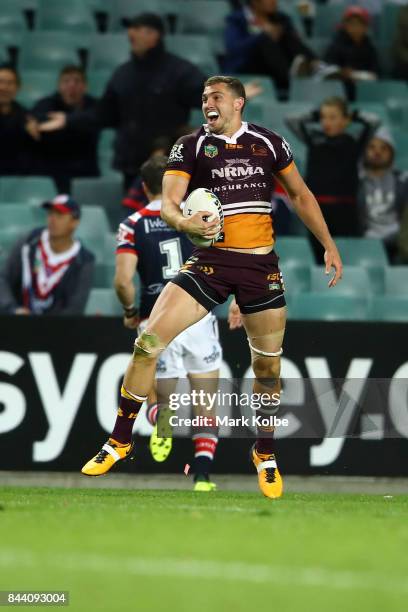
<point>240,171</point>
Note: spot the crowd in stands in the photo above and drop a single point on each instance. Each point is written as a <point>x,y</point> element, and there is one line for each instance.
<point>350,154</point>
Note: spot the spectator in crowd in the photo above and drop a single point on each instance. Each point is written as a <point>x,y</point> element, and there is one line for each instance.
<point>401,45</point>
<point>332,161</point>
<point>133,99</point>
<point>17,128</point>
<point>261,39</point>
<point>352,49</point>
<point>383,191</point>
<point>48,271</point>
<point>71,152</point>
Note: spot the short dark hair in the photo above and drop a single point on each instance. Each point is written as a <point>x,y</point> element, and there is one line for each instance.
<point>339,103</point>
<point>152,173</point>
<point>234,84</point>
<point>73,69</point>
<point>12,69</point>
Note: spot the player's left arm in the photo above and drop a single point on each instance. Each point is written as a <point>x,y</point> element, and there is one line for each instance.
<point>126,264</point>
<point>308,210</point>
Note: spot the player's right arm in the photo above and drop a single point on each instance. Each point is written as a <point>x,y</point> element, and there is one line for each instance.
<point>174,190</point>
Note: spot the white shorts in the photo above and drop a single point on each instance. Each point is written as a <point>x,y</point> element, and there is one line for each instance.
<point>196,350</point>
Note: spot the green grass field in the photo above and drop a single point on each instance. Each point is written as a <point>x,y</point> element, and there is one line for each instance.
<point>179,551</point>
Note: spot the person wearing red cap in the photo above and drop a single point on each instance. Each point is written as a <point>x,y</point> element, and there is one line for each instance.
<point>48,271</point>
<point>352,49</point>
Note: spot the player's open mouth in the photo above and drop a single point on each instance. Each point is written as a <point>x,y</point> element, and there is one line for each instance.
<point>212,117</point>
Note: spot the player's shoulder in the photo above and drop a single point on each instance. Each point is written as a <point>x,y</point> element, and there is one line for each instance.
<point>193,137</point>
<point>263,132</point>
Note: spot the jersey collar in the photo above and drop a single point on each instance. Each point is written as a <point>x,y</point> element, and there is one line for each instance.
<point>233,138</point>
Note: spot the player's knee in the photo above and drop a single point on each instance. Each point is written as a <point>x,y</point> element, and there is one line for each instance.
<point>267,370</point>
<point>148,346</point>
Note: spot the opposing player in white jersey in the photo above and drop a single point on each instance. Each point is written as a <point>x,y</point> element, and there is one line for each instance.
<point>147,244</point>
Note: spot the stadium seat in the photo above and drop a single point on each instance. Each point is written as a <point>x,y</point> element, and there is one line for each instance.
<point>104,274</point>
<point>320,306</point>
<point>203,16</point>
<point>296,279</point>
<point>388,22</point>
<point>294,252</point>
<point>389,308</point>
<point>50,50</point>
<point>108,51</point>
<point>9,236</point>
<point>72,16</point>
<point>396,280</point>
<point>26,189</point>
<point>368,253</point>
<point>381,91</point>
<point>327,19</point>
<point>221,311</point>
<point>195,47</point>
<point>17,216</point>
<point>319,44</point>
<point>12,16</point>
<point>401,145</point>
<point>310,90</point>
<point>103,302</point>
<point>36,84</point>
<point>355,281</point>
<point>167,9</point>
<point>105,192</point>
<point>97,81</point>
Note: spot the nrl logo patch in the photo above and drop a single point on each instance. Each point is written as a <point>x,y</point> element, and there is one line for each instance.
<point>210,150</point>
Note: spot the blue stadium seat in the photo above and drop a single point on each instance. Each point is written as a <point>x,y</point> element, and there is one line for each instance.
<point>388,22</point>
<point>72,16</point>
<point>108,51</point>
<point>327,307</point>
<point>196,47</point>
<point>130,8</point>
<point>104,275</point>
<point>31,190</point>
<point>12,16</point>
<point>36,84</point>
<point>389,308</point>
<point>310,90</point>
<point>327,19</point>
<point>203,16</point>
<point>294,252</point>
<point>368,253</point>
<point>105,192</point>
<point>296,280</point>
<point>381,91</point>
<point>103,302</point>
<point>396,280</point>
<point>97,81</point>
<point>50,50</point>
<point>355,281</point>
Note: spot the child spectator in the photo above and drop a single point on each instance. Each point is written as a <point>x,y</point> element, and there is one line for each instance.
<point>332,161</point>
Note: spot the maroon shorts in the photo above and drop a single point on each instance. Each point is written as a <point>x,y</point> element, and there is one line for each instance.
<point>210,275</point>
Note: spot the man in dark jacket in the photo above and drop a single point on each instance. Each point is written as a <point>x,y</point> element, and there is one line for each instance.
<point>149,96</point>
<point>262,40</point>
<point>48,271</point>
<point>16,150</point>
<point>71,152</point>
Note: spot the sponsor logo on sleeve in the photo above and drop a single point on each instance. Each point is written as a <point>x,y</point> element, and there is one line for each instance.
<point>176,154</point>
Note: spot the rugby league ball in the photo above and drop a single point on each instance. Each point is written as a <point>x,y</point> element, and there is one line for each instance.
<point>204,200</point>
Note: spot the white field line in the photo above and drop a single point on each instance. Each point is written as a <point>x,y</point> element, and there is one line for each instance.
<point>208,569</point>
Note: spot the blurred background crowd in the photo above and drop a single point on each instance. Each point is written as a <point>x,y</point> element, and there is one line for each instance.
<point>90,89</point>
